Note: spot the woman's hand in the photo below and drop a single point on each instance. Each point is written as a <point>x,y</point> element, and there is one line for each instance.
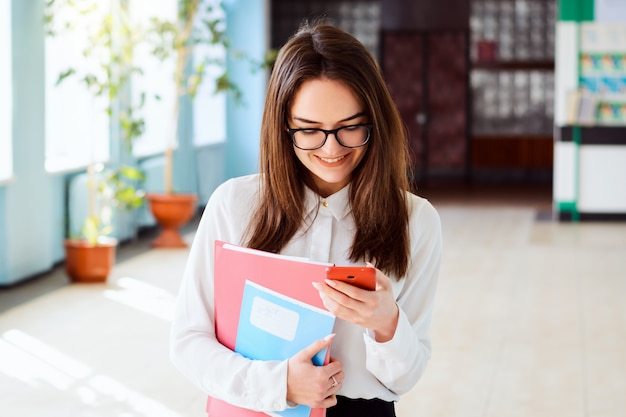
<point>375,310</point>
<point>313,385</point>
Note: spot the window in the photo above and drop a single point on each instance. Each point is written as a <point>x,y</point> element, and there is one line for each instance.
<point>77,126</point>
<point>6,98</point>
<point>209,109</point>
<point>157,84</point>
<point>209,114</point>
<point>155,81</point>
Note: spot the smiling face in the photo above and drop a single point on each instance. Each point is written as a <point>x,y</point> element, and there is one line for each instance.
<point>327,104</point>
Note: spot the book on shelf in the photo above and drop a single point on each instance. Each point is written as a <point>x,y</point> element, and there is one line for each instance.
<point>581,108</point>
<point>267,309</point>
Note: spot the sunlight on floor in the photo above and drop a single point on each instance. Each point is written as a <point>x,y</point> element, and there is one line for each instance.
<point>32,362</point>
<point>143,297</point>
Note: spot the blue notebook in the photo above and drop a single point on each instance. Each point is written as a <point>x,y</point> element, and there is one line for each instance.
<point>273,326</point>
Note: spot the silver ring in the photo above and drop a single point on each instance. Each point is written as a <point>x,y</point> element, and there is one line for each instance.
<point>335,383</point>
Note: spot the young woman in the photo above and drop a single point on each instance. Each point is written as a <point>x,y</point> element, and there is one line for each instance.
<point>332,188</point>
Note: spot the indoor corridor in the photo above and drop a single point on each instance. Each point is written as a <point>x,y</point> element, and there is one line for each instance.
<point>529,321</point>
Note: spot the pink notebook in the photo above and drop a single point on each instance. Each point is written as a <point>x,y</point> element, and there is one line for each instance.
<point>289,277</point>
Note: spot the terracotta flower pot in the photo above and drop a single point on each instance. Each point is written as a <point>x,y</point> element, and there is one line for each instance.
<point>88,263</point>
<point>171,211</point>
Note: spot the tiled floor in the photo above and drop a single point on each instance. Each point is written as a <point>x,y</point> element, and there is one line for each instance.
<point>529,321</point>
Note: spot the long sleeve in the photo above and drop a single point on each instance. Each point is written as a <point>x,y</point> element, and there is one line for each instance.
<point>194,349</point>
<point>400,362</point>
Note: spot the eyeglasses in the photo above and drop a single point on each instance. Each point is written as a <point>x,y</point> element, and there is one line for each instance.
<point>353,136</point>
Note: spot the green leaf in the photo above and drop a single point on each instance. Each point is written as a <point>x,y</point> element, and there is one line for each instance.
<point>132,173</point>
<point>64,75</point>
<point>91,230</point>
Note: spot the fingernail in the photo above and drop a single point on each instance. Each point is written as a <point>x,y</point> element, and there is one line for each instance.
<point>329,337</point>
<point>316,285</point>
<point>330,282</point>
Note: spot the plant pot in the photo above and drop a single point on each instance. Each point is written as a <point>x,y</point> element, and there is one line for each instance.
<point>86,263</point>
<point>171,211</point>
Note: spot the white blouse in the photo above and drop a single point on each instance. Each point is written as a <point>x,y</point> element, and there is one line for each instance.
<point>372,369</point>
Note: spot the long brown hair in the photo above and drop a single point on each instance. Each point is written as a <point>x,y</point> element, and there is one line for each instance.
<point>379,184</point>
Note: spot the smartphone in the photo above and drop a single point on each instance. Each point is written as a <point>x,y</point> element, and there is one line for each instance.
<point>359,276</point>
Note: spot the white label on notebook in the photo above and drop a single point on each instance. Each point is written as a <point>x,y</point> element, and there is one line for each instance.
<point>274,319</point>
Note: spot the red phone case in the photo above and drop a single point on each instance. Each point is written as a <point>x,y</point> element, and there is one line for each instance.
<point>359,276</point>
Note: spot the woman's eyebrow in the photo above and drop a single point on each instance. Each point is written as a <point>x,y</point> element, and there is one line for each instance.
<point>354,116</point>
<point>357,115</point>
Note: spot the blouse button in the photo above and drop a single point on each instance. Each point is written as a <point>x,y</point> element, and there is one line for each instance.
<point>324,203</point>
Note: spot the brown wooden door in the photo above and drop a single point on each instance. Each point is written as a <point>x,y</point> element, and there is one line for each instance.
<point>427,74</point>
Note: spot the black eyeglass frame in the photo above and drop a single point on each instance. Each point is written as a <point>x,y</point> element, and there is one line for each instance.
<point>369,127</point>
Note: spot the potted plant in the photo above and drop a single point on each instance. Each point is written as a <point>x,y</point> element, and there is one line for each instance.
<point>89,257</point>
<point>198,23</point>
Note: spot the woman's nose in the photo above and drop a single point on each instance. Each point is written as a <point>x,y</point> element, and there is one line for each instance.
<point>332,145</point>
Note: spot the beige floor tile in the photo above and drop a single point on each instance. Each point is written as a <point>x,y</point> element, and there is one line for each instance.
<point>604,325</point>
<point>457,382</point>
<point>520,287</point>
<point>606,381</point>
<point>540,381</point>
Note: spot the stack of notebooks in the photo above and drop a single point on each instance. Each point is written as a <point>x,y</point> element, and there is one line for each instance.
<point>267,309</point>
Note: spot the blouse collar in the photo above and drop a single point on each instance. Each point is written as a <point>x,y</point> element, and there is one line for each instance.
<point>338,204</point>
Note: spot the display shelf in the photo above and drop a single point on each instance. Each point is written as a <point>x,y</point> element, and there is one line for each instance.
<point>529,65</point>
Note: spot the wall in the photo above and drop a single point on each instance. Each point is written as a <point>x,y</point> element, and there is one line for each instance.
<point>4,272</point>
<point>29,204</point>
<point>247,27</point>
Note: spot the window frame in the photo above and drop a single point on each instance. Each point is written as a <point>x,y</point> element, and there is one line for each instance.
<point>72,113</point>
<point>6,98</point>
